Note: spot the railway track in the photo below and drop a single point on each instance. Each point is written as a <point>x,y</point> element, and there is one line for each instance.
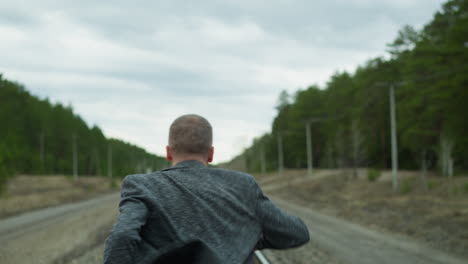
<point>260,258</point>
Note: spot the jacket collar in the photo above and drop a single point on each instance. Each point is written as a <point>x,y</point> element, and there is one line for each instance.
<point>188,164</point>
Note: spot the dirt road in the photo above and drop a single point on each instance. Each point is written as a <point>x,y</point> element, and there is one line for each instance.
<point>345,242</point>
<point>59,234</point>
<point>75,233</point>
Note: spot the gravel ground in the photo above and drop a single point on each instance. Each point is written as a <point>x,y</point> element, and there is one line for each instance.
<point>303,255</point>
<point>292,256</point>
<point>94,255</point>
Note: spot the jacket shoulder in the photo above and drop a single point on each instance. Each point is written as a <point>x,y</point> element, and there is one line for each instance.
<point>135,183</point>
<point>134,178</point>
<point>235,174</point>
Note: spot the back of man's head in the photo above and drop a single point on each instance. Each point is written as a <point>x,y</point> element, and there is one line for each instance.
<point>190,135</point>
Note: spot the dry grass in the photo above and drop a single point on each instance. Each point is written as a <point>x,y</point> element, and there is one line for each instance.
<point>25,193</point>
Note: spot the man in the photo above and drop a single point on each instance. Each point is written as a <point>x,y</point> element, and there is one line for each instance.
<point>190,213</point>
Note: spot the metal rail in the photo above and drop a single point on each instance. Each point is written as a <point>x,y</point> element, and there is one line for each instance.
<point>261,258</point>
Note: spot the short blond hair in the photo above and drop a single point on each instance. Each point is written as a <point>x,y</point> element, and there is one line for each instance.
<point>191,134</point>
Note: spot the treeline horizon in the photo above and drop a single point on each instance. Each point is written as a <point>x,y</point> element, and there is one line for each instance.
<point>39,137</point>
<point>350,116</point>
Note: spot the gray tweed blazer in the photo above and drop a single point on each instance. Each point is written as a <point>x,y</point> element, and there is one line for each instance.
<point>191,213</point>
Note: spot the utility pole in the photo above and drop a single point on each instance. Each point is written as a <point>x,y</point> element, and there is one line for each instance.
<point>262,160</point>
<point>98,161</point>
<point>309,149</point>
<point>393,139</point>
<point>246,165</point>
<point>75,159</point>
<point>310,155</point>
<point>280,153</point>
<point>109,161</point>
<point>41,146</point>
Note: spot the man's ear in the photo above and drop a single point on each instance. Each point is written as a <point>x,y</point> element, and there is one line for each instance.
<point>210,154</point>
<point>169,154</point>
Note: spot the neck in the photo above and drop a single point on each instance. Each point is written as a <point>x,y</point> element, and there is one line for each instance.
<point>189,157</point>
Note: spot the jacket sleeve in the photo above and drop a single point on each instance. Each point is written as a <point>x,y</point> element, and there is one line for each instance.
<point>280,230</point>
<point>125,237</point>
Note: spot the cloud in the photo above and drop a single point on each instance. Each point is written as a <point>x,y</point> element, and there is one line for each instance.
<point>132,67</point>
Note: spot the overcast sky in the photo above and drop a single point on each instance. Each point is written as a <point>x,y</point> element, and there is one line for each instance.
<point>131,67</point>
